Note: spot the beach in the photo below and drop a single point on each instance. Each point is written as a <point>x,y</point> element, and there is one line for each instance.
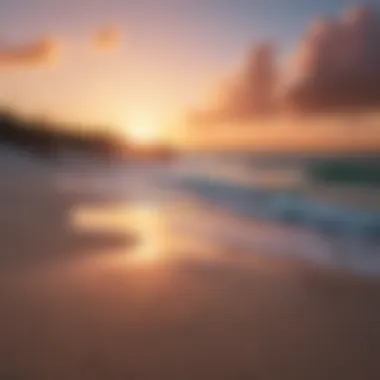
<point>189,190</point>
<point>95,288</point>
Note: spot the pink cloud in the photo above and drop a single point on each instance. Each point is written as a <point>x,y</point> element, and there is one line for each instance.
<point>106,39</point>
<point>250,93</point>
<point>36,53</point>
<point>338,63</point>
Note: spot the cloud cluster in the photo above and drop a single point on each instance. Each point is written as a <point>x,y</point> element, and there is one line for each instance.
<point>250,94</point>
<point>37,53</point>
<point>338,63</point>
<point>336,67</point>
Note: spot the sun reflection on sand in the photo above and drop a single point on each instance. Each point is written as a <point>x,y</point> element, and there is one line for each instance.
<point>144,221</point>
<point>151,225</point>
<point>160,234</point>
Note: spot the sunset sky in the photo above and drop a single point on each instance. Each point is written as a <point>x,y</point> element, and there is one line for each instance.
<point>106,62</point>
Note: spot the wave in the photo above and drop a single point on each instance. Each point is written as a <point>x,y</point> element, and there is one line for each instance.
<point>284,206</point>
<point>362,173</point>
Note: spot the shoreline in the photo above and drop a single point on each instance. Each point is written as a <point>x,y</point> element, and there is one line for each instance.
<point>102,303</point>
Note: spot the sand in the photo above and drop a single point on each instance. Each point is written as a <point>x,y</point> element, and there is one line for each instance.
<point>78,305</point>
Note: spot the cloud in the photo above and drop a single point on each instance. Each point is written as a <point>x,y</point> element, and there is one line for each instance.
<point>250,93</point>
<point>338,63</point>
<point>106,39</point>
<point>37,53</point>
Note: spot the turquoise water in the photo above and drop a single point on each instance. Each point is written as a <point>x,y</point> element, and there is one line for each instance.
<point>280,188</point>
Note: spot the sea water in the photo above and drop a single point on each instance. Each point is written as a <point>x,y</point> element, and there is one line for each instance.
<point>253,203</point>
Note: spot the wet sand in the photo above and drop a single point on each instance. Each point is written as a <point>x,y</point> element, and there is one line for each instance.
<point>84,305</point>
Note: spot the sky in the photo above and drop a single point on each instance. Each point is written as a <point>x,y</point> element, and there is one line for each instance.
<point>107,62</point>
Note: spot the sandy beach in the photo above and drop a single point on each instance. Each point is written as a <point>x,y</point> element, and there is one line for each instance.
<point>103,304</point>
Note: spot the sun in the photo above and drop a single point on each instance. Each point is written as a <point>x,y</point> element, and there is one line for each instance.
<point>143,130</point>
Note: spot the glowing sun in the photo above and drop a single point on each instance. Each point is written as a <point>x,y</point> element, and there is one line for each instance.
<point>143,130</point>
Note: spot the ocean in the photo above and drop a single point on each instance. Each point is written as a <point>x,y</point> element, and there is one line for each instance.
<point>249,202</point>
